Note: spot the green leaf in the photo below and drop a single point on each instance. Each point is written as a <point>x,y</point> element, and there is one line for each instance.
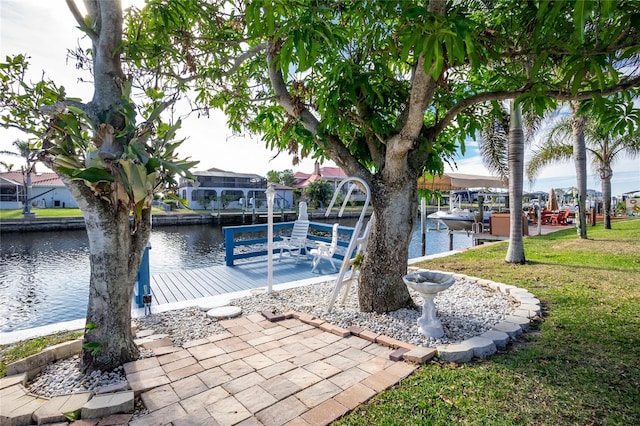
<point>76,110</point>
<point>439,61</point>
<point>140,184</point>
<point>138,150</point>
<point>72,416</point>
<point>581,13</point>
<point>155,114</point>
<point>94,175</point>
<point>577,81</point>
<point>414,12</point>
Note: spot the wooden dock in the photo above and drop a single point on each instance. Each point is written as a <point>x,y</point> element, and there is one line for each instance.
<point>192,284</point>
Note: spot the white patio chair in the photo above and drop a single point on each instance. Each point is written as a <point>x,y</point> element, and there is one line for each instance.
<point>325,251</point>
<point>297,241</point>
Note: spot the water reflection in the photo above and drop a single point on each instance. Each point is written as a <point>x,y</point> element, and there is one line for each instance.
<point>44,276</point>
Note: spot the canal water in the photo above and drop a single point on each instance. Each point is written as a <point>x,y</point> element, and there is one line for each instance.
<point>44,276</point>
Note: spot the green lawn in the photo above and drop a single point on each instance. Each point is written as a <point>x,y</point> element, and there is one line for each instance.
<point>580,365</point>
<point>17,213</point>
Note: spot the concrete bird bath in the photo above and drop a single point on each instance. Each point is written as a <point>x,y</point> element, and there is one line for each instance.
<point>429,284</point>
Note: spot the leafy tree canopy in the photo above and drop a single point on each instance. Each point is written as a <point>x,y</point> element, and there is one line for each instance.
<point>123,159</point>
<point>387,90</point>
<point>284,177</point>
<point>338,79</point>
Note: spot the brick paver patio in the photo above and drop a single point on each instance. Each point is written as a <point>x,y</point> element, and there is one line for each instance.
<point>263,373</point>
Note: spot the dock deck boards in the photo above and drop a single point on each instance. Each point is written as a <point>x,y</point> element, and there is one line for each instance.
<point>178,286</point>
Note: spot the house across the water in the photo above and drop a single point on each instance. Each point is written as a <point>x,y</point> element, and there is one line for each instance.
<point>220,190</point>
<point>47,191</point>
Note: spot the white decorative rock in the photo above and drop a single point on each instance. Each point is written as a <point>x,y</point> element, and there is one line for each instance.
<point>224,312</point>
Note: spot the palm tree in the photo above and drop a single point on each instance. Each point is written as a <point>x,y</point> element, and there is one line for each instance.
<point>578,123</point>
<point>502,145</point>
<point>25,151</point>
<point>515,252</point>
<point>601,145</point>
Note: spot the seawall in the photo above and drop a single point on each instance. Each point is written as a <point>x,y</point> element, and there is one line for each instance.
<point>216,218</point>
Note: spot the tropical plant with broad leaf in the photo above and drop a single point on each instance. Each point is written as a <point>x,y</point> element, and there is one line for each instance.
<point>113,155</point>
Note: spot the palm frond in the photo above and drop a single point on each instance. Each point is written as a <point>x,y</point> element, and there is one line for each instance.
<point>546,154</point>
<point>493,147</point>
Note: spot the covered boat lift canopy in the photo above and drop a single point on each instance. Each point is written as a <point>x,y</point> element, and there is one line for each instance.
<point>452,181</point>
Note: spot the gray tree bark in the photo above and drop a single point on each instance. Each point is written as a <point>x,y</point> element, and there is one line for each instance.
<point>580,160</point>
<point>116,247</point>
<point>605,177</point>
<point>380,287</point>
<point>115,255</point>
<point>515,252</point>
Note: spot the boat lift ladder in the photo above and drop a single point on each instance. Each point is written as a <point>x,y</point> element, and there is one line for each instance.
<point>350,268</point>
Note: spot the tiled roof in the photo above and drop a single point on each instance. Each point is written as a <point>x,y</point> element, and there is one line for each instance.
<point>301,175</point>
<point>307,181</point>
<point>332,172</point>
<point>37,179</point>
<point>329,173</point>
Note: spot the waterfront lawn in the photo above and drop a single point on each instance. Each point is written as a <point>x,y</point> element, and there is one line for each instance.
<point>580,365</point>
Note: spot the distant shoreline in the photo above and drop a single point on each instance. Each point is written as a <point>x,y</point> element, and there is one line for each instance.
<point>40,224</point>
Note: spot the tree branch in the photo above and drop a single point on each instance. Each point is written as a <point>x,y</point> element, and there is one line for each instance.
<point>71,4</point>
<point>339,152</point>
<point>255,50</point>
<point>22,128</point>
<point>561,95</point>
<point>422,90</point>
<point>423,87</point>
<point>286,101</point>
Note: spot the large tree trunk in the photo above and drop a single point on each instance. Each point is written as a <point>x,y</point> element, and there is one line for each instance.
<point>515,252</point>
<point>580,160</point>
<point>115,253</point>
<point>116,247</point>
<point>381,288</point>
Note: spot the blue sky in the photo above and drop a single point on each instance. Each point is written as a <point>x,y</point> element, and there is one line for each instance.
<point>45,29</point>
